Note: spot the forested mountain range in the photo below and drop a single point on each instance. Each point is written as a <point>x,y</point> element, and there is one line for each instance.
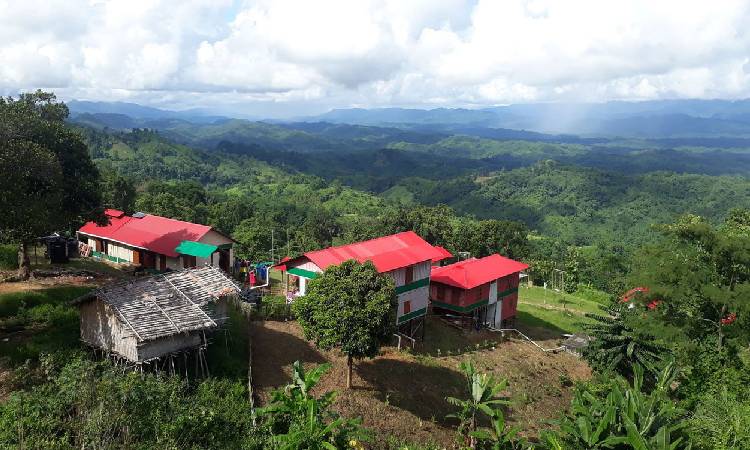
<point>580,191</point>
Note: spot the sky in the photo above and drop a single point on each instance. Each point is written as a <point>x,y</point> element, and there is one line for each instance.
<point>286,58</point>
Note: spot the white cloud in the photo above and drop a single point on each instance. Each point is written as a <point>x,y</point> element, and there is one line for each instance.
<point>292,54</point>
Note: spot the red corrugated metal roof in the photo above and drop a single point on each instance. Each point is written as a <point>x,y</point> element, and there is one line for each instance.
<point>443,254</point>
<point>386,253</point>
<point>155,233</point>
<point>475,272</point>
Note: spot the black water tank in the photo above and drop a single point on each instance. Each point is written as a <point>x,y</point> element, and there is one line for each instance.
<point>58,251</point>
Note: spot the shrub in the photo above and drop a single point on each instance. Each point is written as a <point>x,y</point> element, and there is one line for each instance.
<point>8,257</point>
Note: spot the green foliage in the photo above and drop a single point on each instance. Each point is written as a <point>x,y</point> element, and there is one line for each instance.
<point>620,345</point>
<point>49,182</point>
<point>485,237</point>
<point>702,274</point>
<point>349,306</point>
<point>499,436</point>
<point>8,256</point>
<point>484,390</point>
<point>620,415</point>
<point>118,192</point>
<point>721,422</point>
<point>84,404</point>
<point>298,420</point>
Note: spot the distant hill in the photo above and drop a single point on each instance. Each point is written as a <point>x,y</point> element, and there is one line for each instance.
<point>138,112</point>
<point>652,119</point>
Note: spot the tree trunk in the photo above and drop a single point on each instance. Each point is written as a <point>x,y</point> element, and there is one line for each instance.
<point>24,264</point>
<point>472,428</point>
<point>349,365</point>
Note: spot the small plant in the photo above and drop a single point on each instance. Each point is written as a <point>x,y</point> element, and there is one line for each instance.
<point>484,390</point>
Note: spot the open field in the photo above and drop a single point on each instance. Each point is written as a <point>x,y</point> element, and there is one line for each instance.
<point>555,311</point>
<point>402,394</point>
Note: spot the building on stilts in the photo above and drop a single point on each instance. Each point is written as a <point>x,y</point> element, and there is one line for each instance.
<point>160,320</point>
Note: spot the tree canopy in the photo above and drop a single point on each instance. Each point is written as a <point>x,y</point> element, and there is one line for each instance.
<point>349,306</point>
<point>49,181</point>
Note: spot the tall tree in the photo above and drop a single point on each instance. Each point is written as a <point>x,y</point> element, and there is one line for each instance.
<point>349,306</point>
<point>49,182</point>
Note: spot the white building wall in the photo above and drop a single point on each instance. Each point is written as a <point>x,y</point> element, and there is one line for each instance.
<point>119,251</point>
<point>215,238</point>
<point>309,266</point>
<point>418,299</point>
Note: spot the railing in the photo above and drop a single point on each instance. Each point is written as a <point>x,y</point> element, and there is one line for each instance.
<point>408,338</point>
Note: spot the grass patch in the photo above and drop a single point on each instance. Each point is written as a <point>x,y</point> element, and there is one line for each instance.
<point>554,300</point>
<point>227,353</point>
<point>556,321</point>
<point>90,264</point>
<point>11,303</point>
<point>36,322</point>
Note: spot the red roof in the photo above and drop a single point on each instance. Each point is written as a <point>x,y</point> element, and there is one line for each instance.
<point>474,272</point>
<point>443,254</point>
<point>386,253</point>
<point>155,233</point>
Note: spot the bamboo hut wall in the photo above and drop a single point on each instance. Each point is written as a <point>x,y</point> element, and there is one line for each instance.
<point>100,328</point>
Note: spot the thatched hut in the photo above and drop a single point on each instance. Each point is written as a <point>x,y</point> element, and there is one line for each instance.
<point>157,316</point>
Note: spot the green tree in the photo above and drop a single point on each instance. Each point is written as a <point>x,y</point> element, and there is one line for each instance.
<point>702,275</point>
<point>253,236</point>
<point>118,192</point>
<point>49,182</point>
<point>349,306</point>
<point>500,236</point>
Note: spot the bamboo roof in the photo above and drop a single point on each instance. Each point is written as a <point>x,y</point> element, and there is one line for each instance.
<point>167,304</point>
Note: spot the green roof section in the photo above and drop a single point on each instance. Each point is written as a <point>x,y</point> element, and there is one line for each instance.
<point>197,249</point>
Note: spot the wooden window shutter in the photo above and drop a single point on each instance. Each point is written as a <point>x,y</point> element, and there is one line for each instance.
<point>408,274</point>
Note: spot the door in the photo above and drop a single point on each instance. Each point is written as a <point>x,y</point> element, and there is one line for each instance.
<point>162,262</point>
<point>223,260</point>
<point>136,257</point>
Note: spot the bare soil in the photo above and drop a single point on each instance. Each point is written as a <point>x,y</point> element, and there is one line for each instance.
<point>401,395</point>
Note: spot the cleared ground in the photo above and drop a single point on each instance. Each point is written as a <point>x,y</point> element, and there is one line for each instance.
<point>402,394</point>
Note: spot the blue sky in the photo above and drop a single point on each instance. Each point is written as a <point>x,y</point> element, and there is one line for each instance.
<point>287,57</point>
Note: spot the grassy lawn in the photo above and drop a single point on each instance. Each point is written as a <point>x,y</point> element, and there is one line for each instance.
<point>90,264</point>
<point>558,312</point>
<point>36,322</point>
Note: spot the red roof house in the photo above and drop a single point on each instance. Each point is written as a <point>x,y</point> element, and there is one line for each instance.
<point>476,286</point>
<point>156,242</point>
<point>406,257</point>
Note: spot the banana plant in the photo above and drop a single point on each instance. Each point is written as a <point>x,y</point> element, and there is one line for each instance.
<point>299,420</point>
<point>627,418</point>
<point>500,436</point>
<point>484,390</point>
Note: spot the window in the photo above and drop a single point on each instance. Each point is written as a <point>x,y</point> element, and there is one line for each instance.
<point>408,274</point>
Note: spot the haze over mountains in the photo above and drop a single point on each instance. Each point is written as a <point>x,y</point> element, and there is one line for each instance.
<point>648,119</point>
